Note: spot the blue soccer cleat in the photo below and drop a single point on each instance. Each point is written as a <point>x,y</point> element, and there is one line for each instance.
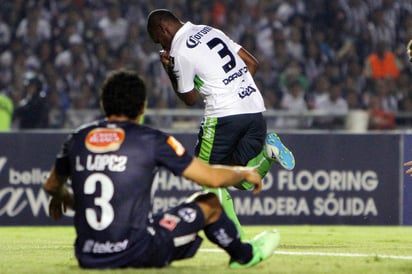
<point>276,151</point>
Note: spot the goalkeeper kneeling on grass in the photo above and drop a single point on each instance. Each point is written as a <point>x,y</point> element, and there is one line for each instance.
<point>111,164</point>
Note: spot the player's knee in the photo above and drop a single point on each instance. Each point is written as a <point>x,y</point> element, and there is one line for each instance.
<point>210,205</point>
<point>210,199</point>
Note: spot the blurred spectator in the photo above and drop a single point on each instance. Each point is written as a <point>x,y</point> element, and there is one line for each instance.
<point>329,18</point>
<point>57,112</point>
<point>319,91</point>
<point>32,111</point>
<point>378,117</point>
<point>354,77</point>
<point>76,51</point>
<point>33,29</point>
<point>235,27</point>
<point>293,101</point>
<point>386,90</point>
<point>6,72</point>
<point>264,29</point>
<point>134,41</point>
<point>288,8</point>
<point>406,105</point>
<point>114,26</point>
<point>5,34</point>
<point>291,39</point>
<point>354,100</point>
<point>281,56</point>
<point>218,13</point>
<point>294,45</point>
<point>82,102</point>
<point>332,106</point>
<point>77,76</point>
<point>105,62</point>
<point>267,78</point>
<point>380,30</point>
<point>293,72</point>
<point>382,63</point>
<point>136,12</point>
<point>125,59</point>
<point>356,13</point>
<point>315,61</point>
<point>403,85</point>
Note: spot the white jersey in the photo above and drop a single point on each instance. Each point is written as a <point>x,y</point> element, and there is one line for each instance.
<point>205,58</point>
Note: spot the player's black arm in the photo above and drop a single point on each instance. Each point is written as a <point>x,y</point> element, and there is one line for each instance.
<point>251,62</point>
<point>189,98</point>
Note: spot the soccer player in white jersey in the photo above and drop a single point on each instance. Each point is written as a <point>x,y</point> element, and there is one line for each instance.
<point>202,61</point>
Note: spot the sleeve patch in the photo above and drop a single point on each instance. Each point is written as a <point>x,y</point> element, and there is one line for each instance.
<point>176,146</point>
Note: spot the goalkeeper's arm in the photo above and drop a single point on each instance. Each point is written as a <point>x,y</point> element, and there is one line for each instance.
<point>409,50</point>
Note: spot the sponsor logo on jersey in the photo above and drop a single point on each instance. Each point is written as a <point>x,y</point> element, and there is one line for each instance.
<point>107,247</point>
<point>187,214</point>
<point>101,140</point>
<point>223,238</point>
<point>235,75</point>
<point>176,145</point>
<point>169,221</point>
<point>246,91</point>
<point>194,40</point>
<point>183,240</point>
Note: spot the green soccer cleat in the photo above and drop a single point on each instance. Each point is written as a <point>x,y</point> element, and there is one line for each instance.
<point>263,244</point>
<point>276,151</point>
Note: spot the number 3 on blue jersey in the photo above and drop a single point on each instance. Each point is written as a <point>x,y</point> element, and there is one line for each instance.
<point>107,191</point>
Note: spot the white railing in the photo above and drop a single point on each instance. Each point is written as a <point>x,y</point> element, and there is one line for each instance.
<point>187,120</point>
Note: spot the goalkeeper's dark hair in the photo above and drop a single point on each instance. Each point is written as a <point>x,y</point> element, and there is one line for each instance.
<point>123,93</point>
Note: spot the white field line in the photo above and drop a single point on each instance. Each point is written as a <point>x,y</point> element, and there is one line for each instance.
<point>325,254</point>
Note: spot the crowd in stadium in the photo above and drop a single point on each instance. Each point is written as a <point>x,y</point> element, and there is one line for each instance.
<point>325,55</point>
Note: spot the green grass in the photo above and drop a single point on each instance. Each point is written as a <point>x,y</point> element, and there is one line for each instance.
<point>50,250</point>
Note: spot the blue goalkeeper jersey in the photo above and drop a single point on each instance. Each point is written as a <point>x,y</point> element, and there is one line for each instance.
<point>112,167</point>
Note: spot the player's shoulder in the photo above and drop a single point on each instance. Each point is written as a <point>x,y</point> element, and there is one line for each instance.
<point>88,126</point>
<point>144,132</point>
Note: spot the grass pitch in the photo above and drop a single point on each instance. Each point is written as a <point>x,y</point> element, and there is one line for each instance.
<point>303,249</point>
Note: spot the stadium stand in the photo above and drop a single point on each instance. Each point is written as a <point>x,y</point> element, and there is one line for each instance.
<point>72,44</point>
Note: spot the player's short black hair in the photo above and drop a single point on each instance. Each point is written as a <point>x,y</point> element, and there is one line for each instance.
<point>159,15</point>
<point>123,93</point>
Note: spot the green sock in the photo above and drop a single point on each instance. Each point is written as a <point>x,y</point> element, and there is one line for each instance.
<point>262,165</point>
<point>227,203</point>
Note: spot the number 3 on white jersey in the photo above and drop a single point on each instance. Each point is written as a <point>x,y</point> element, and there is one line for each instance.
<point>103,201</point>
